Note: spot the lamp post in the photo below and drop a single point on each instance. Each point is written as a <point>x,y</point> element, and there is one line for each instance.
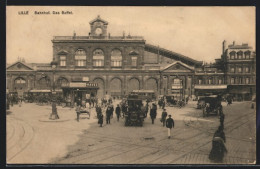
<point>54,114</point>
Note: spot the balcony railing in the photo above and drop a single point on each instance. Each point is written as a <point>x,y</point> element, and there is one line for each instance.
<point>98,38</point>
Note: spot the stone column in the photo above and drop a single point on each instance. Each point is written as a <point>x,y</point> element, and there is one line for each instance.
<point>168,84</point>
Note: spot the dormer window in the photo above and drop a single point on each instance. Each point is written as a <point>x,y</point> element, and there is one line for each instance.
<point>240,55</point>
<point>232,55</point>
<point>247,54</point>
<point>80,58</point>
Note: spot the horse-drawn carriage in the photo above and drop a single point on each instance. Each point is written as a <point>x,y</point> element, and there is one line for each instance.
<point>211,105</point>
<point>134,116</point>
<point>171,101</point>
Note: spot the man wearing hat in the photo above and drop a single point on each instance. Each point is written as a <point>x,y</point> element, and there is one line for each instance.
<point>169,125</point>
<point>118,112</point>
<point>164,115</point>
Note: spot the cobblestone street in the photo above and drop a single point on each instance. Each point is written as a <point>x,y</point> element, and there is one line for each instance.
<point>31,139</point>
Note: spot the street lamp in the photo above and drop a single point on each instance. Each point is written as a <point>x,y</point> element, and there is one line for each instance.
<point>54,114</point>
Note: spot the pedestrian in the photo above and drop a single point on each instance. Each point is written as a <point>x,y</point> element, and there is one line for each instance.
<point>221,119</point>
<point>118,112</point>
<point>100,120</point>
<point>78,108</point>
<point>169,125</point>
<point>220,133</point>
<point>218,150</point>
<point>98,111</point>
<point>108,114</point>
<point>163,104</point>
<point>124,109</point>
<point>164,115</point>
<point>153,113</point>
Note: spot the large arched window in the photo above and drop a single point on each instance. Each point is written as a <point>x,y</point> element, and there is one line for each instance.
<point>20,81</point>
<point>116,58</point>
<point>62,82</point>
<point>98,58</point>
<point>80,58</point>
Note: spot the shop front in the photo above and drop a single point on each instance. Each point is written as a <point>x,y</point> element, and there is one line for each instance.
<point>76,92</point>
<point>241,92</point>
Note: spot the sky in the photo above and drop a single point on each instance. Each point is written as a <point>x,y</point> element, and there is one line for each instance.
<point>196,32</point>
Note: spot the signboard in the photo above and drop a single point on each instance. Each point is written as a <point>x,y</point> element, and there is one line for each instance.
<point>86,79</point>
<point>77,84</point>
<point>82,84</point>
<point>210,86</point>
<point>176,87</point>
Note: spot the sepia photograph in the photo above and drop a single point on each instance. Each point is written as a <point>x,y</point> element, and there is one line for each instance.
<point>131,85</point>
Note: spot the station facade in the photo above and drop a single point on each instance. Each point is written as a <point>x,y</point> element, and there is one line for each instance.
<point>117,65</point>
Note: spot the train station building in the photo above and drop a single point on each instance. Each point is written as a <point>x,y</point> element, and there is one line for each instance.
<point>99,64</point>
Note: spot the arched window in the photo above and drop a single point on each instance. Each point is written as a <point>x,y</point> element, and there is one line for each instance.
<point>20,81</point>
<point>62,82</point>
<point>116,58</point>
<point>80,58</point>
<point>98,58</point>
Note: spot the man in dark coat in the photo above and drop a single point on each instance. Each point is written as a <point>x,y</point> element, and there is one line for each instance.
<point>108,114</point>
<point>221,119</point>
<point>98,110</point>
<point>164,115</point>
<point>169,125</point>
<point>218,150</point>
<point>220,133</point>
<point>100,120</point>
<point>153,113</point>
<point>118,112</point>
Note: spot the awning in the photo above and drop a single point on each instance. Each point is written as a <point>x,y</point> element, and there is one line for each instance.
<point>81,85</point>
<point>44,91</point>
<point>143,91</point>
<point>210,87</point>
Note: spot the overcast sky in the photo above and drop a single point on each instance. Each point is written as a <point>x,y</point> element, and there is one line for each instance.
<point>196,32</point>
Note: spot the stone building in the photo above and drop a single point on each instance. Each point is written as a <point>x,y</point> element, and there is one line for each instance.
<point>100,64</point>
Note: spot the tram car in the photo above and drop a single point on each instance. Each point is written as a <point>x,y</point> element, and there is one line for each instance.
<point>134,115</point>
<point>211,105</point>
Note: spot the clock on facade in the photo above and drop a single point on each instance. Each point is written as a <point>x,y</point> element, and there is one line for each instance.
<point>98,31</point>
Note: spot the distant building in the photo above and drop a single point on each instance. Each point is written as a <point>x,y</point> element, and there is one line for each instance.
<point>117,65</point>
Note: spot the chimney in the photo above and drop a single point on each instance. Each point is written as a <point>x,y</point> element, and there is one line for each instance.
<point>234,43</point>
<point>224,47</point>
